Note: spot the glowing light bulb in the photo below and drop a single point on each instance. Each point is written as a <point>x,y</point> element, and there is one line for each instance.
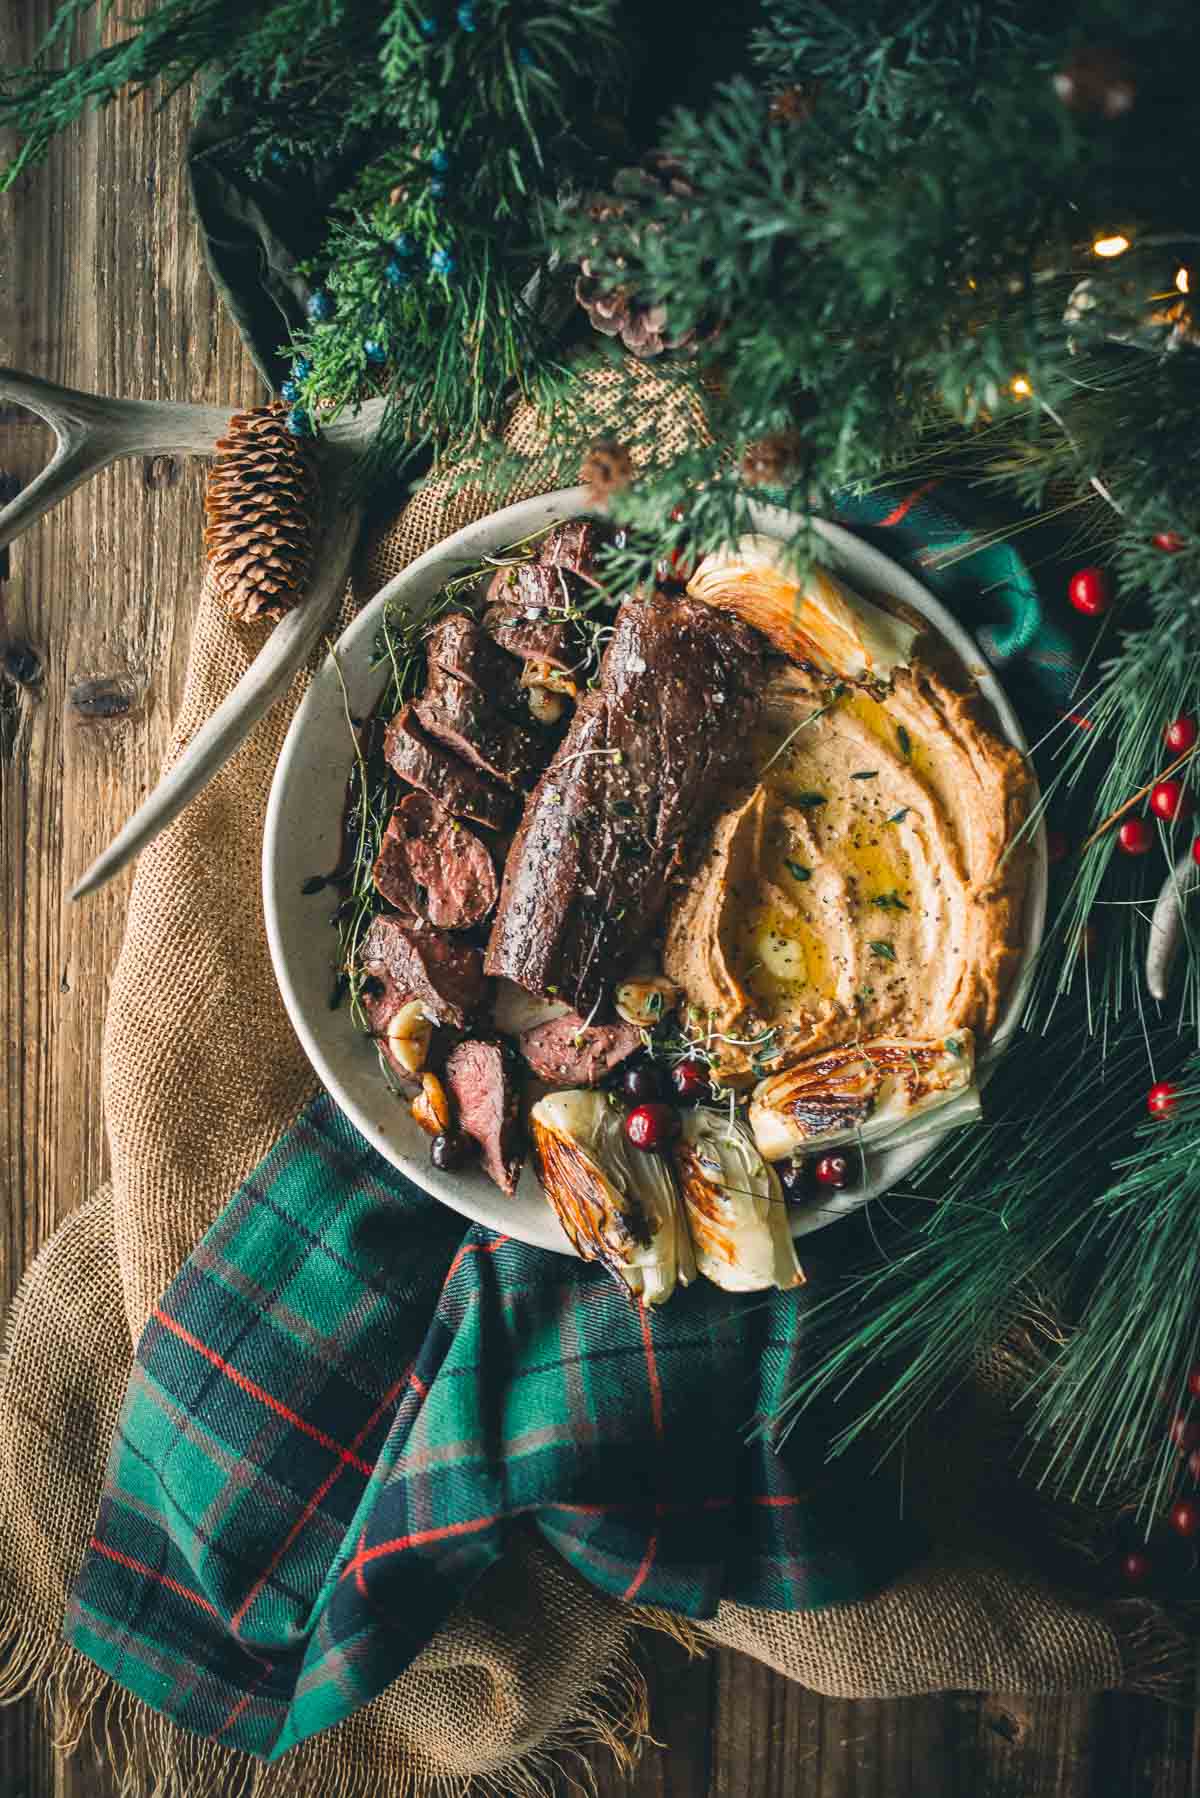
<point>1021,387</point>
<point>1183,280</point>
<point>1116,245</point>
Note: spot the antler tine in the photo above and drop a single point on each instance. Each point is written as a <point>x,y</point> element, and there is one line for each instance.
<point>1167,924</point>
<point>93,431</point>
<point>285,651</point>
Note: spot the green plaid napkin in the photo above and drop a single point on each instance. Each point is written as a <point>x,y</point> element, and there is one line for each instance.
<point>345,1402</point>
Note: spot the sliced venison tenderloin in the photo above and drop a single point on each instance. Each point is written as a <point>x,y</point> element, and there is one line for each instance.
<point>481,1078</point>
<point>436,770</point>
<point>529,614</point>
<point>569,1052</point>
<point>638,776</point>
<point>469,720</point>
<point>434,867</point>
<point>572,545</point>
<point>413,962</point>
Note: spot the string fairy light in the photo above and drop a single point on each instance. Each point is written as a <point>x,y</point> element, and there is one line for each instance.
<point>1114,245</point>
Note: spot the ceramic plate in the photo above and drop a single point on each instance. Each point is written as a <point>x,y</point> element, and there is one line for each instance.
<point>303,838</point>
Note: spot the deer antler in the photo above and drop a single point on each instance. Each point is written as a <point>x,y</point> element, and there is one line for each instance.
<point>1166,924</point>
<point>91,433</point>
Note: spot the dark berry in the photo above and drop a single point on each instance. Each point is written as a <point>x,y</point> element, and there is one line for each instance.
<point>1135,1567</point>
<point>642,1083</point>
<point>652,1127</point>
<point>690,1080</point>
<point>793,1180</point>
<point>1184,1433</point>
<point>450,1150</point>
<point>1184,1517</point>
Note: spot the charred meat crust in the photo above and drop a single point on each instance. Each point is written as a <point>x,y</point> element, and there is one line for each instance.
<point>463,790</point>
<point>442,971</point>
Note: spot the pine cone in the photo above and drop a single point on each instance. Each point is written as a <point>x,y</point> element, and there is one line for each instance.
<point>607,468</point>
<point>617,311</point>
<point>260,502</point>
<point>772,461</point>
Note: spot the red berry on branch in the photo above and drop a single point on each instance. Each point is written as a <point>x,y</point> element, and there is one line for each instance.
<point>651,1127</point>
<point>1180,735</point>
<point>1196,849</point>
<point>1193,1382</point>
<point>1170,799</point>
<point>1135,836</point>
<point>1170,542</point>
<point>1184,1517</point>
<point>1135,1567</point>
<point>1090,591</point>
<point>1184,1433</point>
<point>1057,846</point>
<point>1193,1464</point>
<point>833,1170</point>
<point>1160,1103</point>
<point>1096,79</point>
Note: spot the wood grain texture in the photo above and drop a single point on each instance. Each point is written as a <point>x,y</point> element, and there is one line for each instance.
<point>102,286</point>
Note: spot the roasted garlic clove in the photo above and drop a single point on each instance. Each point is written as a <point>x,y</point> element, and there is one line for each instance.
<point>818,622</point>
<point>431,1107</point>
<point>734,1205</point>
<point>643,1001</point>
<point>617,1205</point>
<point>861,1089</point>
<point>545,705</point>
<point>407,1037</point>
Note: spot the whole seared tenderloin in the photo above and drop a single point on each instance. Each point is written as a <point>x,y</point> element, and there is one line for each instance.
<point>633,784</point>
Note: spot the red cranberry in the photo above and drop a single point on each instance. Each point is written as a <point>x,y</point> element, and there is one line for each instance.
<point>1135,1567</point>
<point>690,1080</point>
<point>1193,1464</point>
<point>1135,836</point>
<point>1170,799</point>
<point>1184,1517</point>
<point>833,1170</point>
<point>450,1150</point>
<point>652,1127</point>
<point>1170,542</point>
<point>642,1083</point>
<point>1196,849</point>
<point>1090,591</point>
<point>1180,735</point>
<point>1193,1382</point>
<point>1160,1100</point>
<point>1184,1433</point>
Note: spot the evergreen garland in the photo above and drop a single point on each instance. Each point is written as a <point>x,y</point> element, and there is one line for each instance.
<point>952,236</point>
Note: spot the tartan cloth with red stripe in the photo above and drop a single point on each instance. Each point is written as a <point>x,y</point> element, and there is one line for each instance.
<point>344,1403</point>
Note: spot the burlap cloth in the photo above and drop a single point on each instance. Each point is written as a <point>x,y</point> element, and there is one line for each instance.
<point>202,1074</point>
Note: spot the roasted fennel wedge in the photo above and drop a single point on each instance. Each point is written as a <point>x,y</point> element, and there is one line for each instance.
<point>861,1091</point>
<point>734,1206</point>
<point>817,622</point>
<point>616,1204</point>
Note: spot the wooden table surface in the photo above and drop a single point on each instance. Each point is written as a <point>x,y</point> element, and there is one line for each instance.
<point>102,286</point>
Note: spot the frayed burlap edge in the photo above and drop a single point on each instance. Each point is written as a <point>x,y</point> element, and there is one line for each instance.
<point>147,1756</point>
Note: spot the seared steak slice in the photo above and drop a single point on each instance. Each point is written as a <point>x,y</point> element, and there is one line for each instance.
<point>573,545</point>
<point>568,1052</point>
<point>528,614</point>
<point>459,644</point>
<point>480,1076</point>
<point>422,763</point>
<point>443,972</point>
<point>434,867</point>
<point>636,779</point>
<point>467,720</point>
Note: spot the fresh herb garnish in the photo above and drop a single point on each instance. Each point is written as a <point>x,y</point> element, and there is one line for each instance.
<point>798,871</point>
<point>866,774</point>
<point>882,949</point>
<point>889,902</point>
<point>904,740</point>
<point>808,800</point>
<point>953,1047</point>
<point>898,817</point>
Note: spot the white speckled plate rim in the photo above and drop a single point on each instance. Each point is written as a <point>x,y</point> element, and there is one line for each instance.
<point>302,837</point>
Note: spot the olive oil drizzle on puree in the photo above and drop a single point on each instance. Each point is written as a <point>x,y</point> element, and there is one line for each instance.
<point>856,884</point>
